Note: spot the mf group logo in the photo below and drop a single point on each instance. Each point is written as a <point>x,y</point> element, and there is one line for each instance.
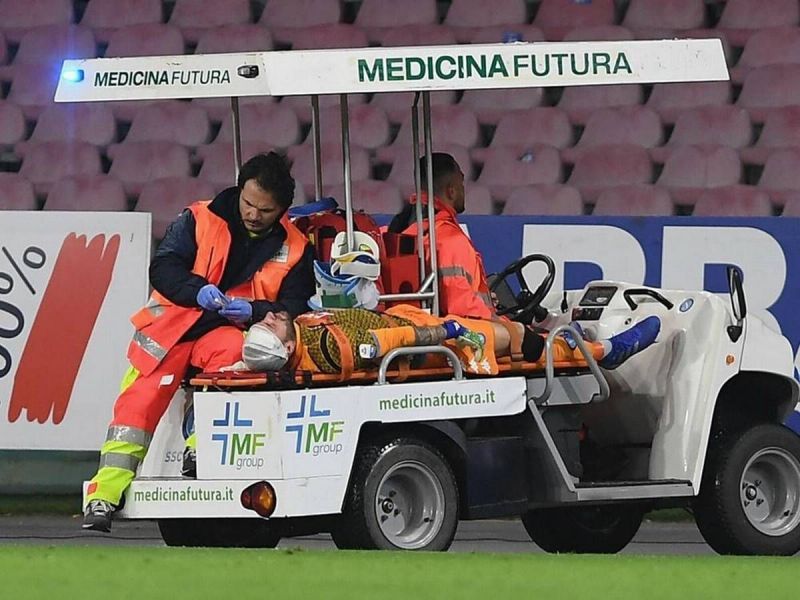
<point>316,433</point>
<point>238,447</point>
<point>65,318</point>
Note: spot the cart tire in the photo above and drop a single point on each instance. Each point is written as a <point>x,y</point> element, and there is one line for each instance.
<point>584,529</point>
<point>749,501</point>
<point>402,496</point>
<point>219,533</point>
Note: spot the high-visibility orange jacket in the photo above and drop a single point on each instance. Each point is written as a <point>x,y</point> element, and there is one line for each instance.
<point>161,323</point>
<point>463,289</point>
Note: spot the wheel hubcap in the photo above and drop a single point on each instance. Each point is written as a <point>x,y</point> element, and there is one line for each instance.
<point>410,505</point>
<point>770,491</point>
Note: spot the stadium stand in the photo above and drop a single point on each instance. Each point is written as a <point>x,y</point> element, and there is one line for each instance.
<point>33,88</point>
<point>655,19</point>
<point>194,18</point>
<point>636,125</point>
<point>601,167</point>
<point>708,126</point>
<point>137,163</point>
<point>16,18</point>
<point>402,168</point>
<point>490,107</point>
<point>669,100</point>
<point>45,163</point>
<point>83,122</point>
<point>369,126</point>
<point>165,198</point>
<point>273,125</point>
<point>465,16</point>
<point>398,105</point>
<point>781,130</point>
<point>634,200</point>
<point>548,200</point>
<point>781,175</point>
<point>691,169</point>
<point>87,192</point>
<point>17,193</point>
<point>774,46</point>
<point>374,197</point>
<point>49,45</point>
<point>504,169</point>
<point>378,17</point>
<point>770,87</point>
<point>496,33</point>
<point>735,201</point>
<point>557,17</point>
<point>580,102</point>
<point>741,18</point>
<point>217,168</point>
<point>332,164</point>
<point>171,121</point>
<point>104,17</point>
<point>12,124</point>
<point>287,18</point>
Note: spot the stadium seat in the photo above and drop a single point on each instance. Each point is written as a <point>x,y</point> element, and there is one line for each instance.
<point>301,105</point>
<point>368,126</point>
<point>45,163</point>
<point>781,130</point>
<point>635,125</point>
<point>690,170</point>
<point>87,192</point>
<point>398,104</point>
<point>414,35</point>
<point>332,164</point>
<point>16,193</point>
<point>33,88</point>
<point>218,169</point>
<point>402,171</point>
<point>166,198</point>
<point>3,49</point>
<point>634,200</point>
<point>504,170</point>
<point>287,18</point>
<point>791,207</point>
<point>450,125</point>
<point>770,87</point>
<point>377,17</point>
<point>106,16</point>
<point>546,200</point>
<point>733,201</point>
<point>465,16</point>
<point>601,167</point>
<point>650,19</point>
<point>234,38</point>
<point>335,35</point>
<point>581,101</point>
<point>147,39</point>
<point>774,46</point>
<point>522,129</point>
<point>194,17</point>
<point>138,163</point>
<point>478,200</point>
<point>781,175</point>
<point>741,18</point>
<point>496,33</point>
<point>490,105</point>
<point>170,121</point>
<point>17,17</point>
<point>557,17</point>
<point>85,122</point>
<point>711,125</point>
<point>12,124</point>
<point>591,33</point>
<point>273,125</point>
<point>670,99</point>
<point>51,45</point>
<point>373,197</point>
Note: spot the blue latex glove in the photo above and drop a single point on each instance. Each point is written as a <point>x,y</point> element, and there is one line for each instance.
<point>453,329</point>
<point>210,298</point>
<point>238,311</point>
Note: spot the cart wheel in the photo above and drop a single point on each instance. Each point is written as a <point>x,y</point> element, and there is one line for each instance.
<point>403,495</point>
<point>218,533</point>
<point>749,500</point>
<point>584,529</point>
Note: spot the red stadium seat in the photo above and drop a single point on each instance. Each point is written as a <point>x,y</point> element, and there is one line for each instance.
<point>170,121</point>
<point>741,18</point>
<point>219,109</point>
<point>218,168</point>
<point>373,197</point>
<point>692,169</point>
<point>105,16</point>
<point>274,125</point>
<point>770,87</point>
<point>377,17</point>
<point>17,17</point>
<point>634,200</point>
<point>149,39</point>
<point>601,167</point>
<point>495,33</point>
<point>45,163</point>
<point>733,201</point>
<point>791,208</point>
<point>635,125</point>
<point>651,17</point>
<point>16,193</point>
<point>194,18</point>
<point>671,99</point>
<point>580,102</point>
<point>85,122</point>
<point>402,172</point>
<point>234,38</point>
<point>781,176</point>
<point>504,170</point>
<point>465,16</point>
<point>336,35</point>
<point>51,45</point>
<point>368,126</point>
<point>556,17</point>
<point>287,18</point>
<point>490,106</point>
<point>398,104</point>
<point>775,46</point>
<point>3,49</point>
<point>478,200</point>
<point>712,125</point>
<point>87,192</point>
<point>33,88</point>
<point>592,33</point>
<point>546,200</point>
<point>781,130</point>
<point>523,129</point>
<point>332,164</point>
<point>301,105</point>
<point>137,163</point>
<point>414,35</point>
<point>12,124</point>
<point>166,198</point>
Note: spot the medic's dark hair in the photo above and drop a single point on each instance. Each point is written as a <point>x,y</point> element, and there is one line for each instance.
<point>272,175</point>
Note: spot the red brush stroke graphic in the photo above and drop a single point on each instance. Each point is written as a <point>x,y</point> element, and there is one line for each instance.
<point>57,342</point>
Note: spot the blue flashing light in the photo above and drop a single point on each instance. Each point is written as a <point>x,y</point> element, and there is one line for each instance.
<point>73,75</point>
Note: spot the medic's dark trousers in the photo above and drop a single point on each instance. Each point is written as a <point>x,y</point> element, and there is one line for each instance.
<point>143,401</point>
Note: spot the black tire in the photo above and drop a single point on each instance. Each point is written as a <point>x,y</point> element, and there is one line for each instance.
<point>219,533</point>
<point>584,529</point>
<point>720,509</point>
<point>359,526</point>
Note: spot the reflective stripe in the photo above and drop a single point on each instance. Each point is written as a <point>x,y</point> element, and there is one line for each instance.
<point>454,272</point>
<point>487,299</point>
<point>132,435</point>
<point>149,345</point>
<point>119,461</point>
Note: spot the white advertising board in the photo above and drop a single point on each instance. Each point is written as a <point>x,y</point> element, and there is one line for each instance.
<point>69,283</point>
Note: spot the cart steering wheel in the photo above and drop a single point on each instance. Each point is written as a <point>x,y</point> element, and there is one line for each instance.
<point>527,304</point>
